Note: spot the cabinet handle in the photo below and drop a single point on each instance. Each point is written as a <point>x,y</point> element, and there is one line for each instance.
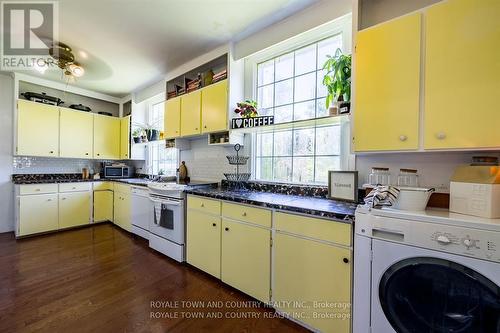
<point>244,214</point>
<point>205,126</point>
<point>441,136</point>
<point>403,138</point>
<point>196,129</point>
<point>87,154</point>
<point>202,205</point>
<point>214,224</point>
<point>98,154</point>
<point>49,199</point>
<point>74,188</point>
<point>51,152</point>
<point>345,260</point>
<point>63,199</point>
<point>37,190</point>
<point>226,228</point>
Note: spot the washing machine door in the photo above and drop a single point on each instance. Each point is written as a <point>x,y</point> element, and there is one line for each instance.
<point>439,294</point>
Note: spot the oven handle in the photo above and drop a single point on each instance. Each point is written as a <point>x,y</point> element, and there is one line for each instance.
<point>166,202</point>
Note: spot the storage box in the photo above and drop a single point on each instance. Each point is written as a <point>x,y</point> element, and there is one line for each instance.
<point>475,190</point>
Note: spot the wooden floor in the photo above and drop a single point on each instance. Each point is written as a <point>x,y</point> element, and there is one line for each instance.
<point>101,279</point>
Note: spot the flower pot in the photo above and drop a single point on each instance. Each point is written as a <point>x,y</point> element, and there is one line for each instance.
<point>152,134</point>
<point>344,107</point>
<point>137,139</point>
<point>333,110</point>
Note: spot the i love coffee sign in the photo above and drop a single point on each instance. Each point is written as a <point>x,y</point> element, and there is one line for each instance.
<point>252,122</point>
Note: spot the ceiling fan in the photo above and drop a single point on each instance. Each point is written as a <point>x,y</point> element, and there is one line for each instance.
<point>65,60</point>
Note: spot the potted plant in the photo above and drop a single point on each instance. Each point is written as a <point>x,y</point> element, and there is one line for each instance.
<point>247,109</point>
<point>338,81</point>
<point>136,135</point>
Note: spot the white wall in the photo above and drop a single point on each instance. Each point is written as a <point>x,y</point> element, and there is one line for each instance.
<point>6,143</point>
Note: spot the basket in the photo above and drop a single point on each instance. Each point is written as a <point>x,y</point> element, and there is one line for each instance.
<point>237,177</point>
<point>237,160</point>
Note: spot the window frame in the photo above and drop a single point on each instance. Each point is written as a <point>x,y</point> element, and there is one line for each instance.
<point>341,26</point>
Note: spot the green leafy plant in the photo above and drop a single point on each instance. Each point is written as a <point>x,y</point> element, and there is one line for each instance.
<point>338,77</point>
<point>247,109</point>
<point>137,133</point>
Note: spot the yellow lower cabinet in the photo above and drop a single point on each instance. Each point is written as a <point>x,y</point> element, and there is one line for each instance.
<point>74,209</point>
<point>203,241</point>
<point>122,210</point>
<point>37,213</point>
<point>246,258</point>
<point>316,278</point>
<point>103,206</point>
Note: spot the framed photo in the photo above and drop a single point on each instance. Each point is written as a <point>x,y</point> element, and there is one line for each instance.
<point>343,185</point>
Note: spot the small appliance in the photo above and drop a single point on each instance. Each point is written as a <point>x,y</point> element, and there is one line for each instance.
<point>116,171</point>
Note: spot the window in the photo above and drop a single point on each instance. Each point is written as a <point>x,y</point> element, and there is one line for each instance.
<point>155,115</point>
<point>161,160</point>
<point>289,86</point>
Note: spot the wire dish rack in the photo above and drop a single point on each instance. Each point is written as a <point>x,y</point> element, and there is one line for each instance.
<point>237,178</point>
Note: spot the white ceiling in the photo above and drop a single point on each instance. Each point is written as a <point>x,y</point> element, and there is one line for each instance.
<point>125,45</point>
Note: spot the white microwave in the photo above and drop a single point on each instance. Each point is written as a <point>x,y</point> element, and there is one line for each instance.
<point>111,171</point>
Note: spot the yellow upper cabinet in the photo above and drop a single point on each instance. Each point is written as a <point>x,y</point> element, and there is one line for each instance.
<point>75,131</point>
<point>37,129</point>
<point>191,113</point>
<point>387,82</point>
<point>106,137</point>
<point>462,71</point>
<point>214,107</point>
<point>125,138</point>
<point>172,118</point>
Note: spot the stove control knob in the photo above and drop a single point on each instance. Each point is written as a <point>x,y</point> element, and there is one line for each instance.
<point>442,239</point>
<point>468,242</point>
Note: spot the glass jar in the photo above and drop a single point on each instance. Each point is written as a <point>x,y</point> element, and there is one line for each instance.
<point>408,177</point>
<point>379,176</point>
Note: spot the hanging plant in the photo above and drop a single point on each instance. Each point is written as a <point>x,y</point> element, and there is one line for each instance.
<point>247,109</point>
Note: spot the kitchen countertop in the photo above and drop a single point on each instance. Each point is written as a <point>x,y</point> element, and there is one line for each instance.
<point>322,207</point>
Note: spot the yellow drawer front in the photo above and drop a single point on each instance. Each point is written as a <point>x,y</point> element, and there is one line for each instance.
<point>331,231</point>
<point>243,213</point>
<point>37,188</point>
<point>121,188</point>
<point>74,187</point>
<point>101,186</point>
<point>210,206</point>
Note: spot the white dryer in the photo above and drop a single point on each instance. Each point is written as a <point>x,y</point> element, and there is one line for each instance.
<point>428,272</point>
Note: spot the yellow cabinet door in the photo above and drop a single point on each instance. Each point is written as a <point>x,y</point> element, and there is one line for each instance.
<point>122,210</point>
<point>203,241</point>
<point>307,271</point>
<point>214,109</point>
<point>106,137</point>
<point>103,206</point>
<point>74,209</point>
<point>387,86</point>
<point>37,129</point>
<point>37,213</point>
<point>246,258</point>
<point>462,72</point>
<point>191,113</point>
<point>76,132</point>
<point>172,118</point>
<point>125,138</point>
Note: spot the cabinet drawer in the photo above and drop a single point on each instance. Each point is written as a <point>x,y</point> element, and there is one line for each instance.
<point>331,231</point>
<point>247,214</point>
<point>203,204</point>
<point>74,187</point>
<point>122,188</point>
<point>37,189</point>
<point>102,186</point>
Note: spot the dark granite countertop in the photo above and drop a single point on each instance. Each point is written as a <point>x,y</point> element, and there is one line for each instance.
<point>70,178</point>
<point>322,207</point>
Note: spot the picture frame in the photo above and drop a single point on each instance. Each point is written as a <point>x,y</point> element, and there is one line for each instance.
<point>343,185</point>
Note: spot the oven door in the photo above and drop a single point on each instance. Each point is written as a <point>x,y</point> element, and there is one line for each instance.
<point>167,220</point>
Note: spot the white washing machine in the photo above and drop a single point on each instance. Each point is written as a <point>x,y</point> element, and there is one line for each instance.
<point>428,272</point>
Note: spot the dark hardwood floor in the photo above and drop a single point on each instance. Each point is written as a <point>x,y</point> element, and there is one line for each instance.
<point>101,279</point>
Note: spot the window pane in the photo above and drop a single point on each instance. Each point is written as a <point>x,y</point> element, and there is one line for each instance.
<point>328,47</point>
<point>265,73</point>
<point>265,96</point>
<point>264,145</point>
<point>328,140</point>
<point>305,87</point>
<point>265,112</point>
<point>284,92</point>
<point>321,90</point>
<point>282,143</point>
<point>303,169</point>
<point>284,67</point>
<point>264,168</point>
<point>283,169</point>
<point>304,110</point>
<point>321,110</point>
<point>325,164</point>
<point>283,114</point>
<point>303,142</point>
<point>305,60</point>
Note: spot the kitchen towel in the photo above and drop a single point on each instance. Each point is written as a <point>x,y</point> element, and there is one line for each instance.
<point>382,196</point>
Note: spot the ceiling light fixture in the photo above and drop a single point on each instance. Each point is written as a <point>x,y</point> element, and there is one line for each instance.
<point>75,70</point>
